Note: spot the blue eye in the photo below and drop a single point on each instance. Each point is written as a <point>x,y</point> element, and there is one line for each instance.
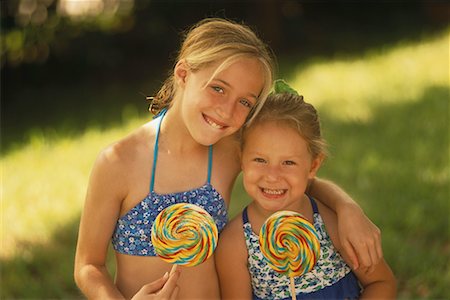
<point>218,89</point>
<point>289,163</point>
<point>246,103</point>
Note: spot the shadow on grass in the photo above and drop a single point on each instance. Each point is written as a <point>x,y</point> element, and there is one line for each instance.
<point>396,165</point>
<point>67,111</point>
<point>44,271</point>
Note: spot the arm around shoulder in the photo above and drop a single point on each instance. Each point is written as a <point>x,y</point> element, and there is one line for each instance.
<point>231,262</point>
<point>330,194</point>
<point>359,236</point>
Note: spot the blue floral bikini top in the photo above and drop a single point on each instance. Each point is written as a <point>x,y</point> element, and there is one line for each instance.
<point>132,234</point>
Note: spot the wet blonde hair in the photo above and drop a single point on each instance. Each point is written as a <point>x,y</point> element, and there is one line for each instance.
<point>212,40</point>
<point>293,111</point>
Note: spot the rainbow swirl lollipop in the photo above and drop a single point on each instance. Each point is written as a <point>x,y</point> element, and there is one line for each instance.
<point>184,234</point>
<point>289,243</point>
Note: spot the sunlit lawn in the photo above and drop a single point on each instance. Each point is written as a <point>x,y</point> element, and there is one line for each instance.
<point>385,115</point>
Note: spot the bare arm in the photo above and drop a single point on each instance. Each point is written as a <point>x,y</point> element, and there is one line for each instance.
<point>360,238</point>
<point>108,186</point>
<point>101,210</point>
<point>330,194</point>
<point>231,263</point>
<point>380,284</point>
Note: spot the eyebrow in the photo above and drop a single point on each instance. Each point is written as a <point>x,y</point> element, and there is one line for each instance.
<point>229,85</point>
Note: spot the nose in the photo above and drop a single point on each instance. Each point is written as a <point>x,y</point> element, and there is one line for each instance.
<point>226,109</point>
<point>272,174</point>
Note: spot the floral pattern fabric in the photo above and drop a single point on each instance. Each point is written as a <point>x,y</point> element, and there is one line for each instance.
<point>132,234</point>
<point>329,269</point>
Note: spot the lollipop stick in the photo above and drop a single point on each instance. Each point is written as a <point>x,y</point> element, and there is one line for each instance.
<point>292,285</point>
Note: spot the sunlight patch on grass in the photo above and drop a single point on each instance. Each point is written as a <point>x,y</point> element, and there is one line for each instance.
<point>349,89</point>
<point>46,183</point>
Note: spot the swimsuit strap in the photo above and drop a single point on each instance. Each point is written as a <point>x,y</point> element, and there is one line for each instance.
<point>245,216</point>
<point>210,153</point>
<point>314,205</point>
<point>155,150</point>
<point>155,154</point>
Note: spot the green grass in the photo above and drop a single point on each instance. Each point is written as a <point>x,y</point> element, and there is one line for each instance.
<point>385,115</point>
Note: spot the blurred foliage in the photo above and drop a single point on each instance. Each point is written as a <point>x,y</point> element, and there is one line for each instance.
<point>83,59</point>
<point>32,27</point>
<point>33,30</point>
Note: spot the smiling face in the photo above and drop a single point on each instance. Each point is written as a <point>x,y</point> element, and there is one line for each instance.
<point>216,104</point>
<point>276,165</point>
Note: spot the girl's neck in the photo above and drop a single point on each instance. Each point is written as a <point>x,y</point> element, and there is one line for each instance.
<point>301,206</point>
<point>175,137</point>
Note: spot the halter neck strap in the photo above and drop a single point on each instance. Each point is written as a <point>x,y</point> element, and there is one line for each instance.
<point>155,153</point>
<point>155,150</point>
<point>210,156</point>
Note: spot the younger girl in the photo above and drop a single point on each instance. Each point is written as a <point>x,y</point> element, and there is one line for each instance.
<point>282,150</point>
<point>189,153</point>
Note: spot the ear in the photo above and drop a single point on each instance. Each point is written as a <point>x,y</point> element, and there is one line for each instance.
<point>180,72</point>
<point>315,165</point>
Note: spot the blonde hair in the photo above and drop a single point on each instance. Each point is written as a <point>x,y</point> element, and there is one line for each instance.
<point>293,111</point>
<point>212,40</point>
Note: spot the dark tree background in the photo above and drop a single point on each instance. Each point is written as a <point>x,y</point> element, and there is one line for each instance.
<point>53,65</point>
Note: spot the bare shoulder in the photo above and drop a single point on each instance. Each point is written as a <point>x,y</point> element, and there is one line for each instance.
<point>232,260</point>
<point>133,144</point>
<point>231,142</point>
<point>231,239</point>
<point>231,246</point>
<point>117,162</point>
<point>228,149</point>
<point>129,148</point>
<point>226,165</point>
<point>233,231</point>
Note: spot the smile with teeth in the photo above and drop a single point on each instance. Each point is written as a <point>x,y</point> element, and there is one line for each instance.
<point>213,123</point>
<point>273,192</point>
